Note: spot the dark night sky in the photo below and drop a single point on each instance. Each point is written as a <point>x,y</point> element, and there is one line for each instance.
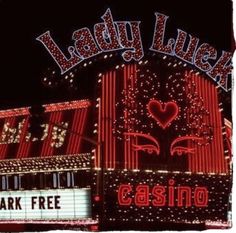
<point>24,60</point>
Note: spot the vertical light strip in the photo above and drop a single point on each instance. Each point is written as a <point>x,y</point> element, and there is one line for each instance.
<point>98,158</point>
<point>75,136</point>
<point>43,149</point>
<point>206,119</point>
<point>188,142</point>
<point>12,121</point>
<point>110,145</point>
<point>2,145</point>
<point>50,148</point>
<point>125,117</point>
<point>106,121</point>
<point>81,130</point>
<point>214,124</point>
<point>23,144</point>
<point>199,157</point>
<point>114,116</point>
<point>75,116</point>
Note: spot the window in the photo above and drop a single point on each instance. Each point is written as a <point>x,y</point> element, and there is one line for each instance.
<point>82,178</point>
<point>56,180</point>
<point>63,179</point>
<point>70,179</point>
<point>4,183</point>
<point>16,180</point>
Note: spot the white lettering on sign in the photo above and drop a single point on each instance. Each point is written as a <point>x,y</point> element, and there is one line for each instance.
<point>58,204</point>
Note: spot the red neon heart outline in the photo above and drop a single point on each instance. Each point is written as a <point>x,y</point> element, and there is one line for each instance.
<point>162,110</point>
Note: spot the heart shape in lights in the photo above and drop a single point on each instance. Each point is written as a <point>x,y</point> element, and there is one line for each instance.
<point>163,113</point>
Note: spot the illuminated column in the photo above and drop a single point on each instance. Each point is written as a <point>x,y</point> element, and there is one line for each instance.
<point>208,158</point>
<point>130,81</point>
<point>107,116</point>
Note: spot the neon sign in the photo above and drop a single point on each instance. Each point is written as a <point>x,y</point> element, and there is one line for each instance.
<point>113,35</point>
<point>162,196</point>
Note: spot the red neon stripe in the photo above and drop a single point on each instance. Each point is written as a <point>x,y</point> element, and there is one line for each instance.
<point>24,151</point>
<point>50,149</point>
<point>210,154</point>
<point>9,120</point>
<point>99,135</point>
<point>110,120</point>
<point>49,108</point>
<point>188,143</point>
<point>214,124</point>
<point>125,116</point>
<point>68,149</point>
<point>27,149</point>
<point>219,131</point>
<point>11,124</point>
<point>136,139</point>
<point>215,148</point>
<point>48,141</point>
<point>132,107</point>
<point>224,167</point>
<point>106,121</point>
<point>206,148</point>
<point>75,137</point>
<point>45,143</point>
<point>70,136</point>
<point>205,119</point>
<point>2,145</point>
<point>58,121</point>
<point>128,125</point>
<point>114,116</point>
<point>193,112</point>
<point>78,131</point>
<point>201,91</point>
<point>190,112</point>
<point>22,143</point>
<point>103,107</point>
<point>196,154</point>
<point>82,129</point>
<point>134,154</point>
<point>26,144</point>
<point>199,157</point>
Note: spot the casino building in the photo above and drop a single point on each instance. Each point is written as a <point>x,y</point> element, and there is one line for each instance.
<point>149,153</point>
